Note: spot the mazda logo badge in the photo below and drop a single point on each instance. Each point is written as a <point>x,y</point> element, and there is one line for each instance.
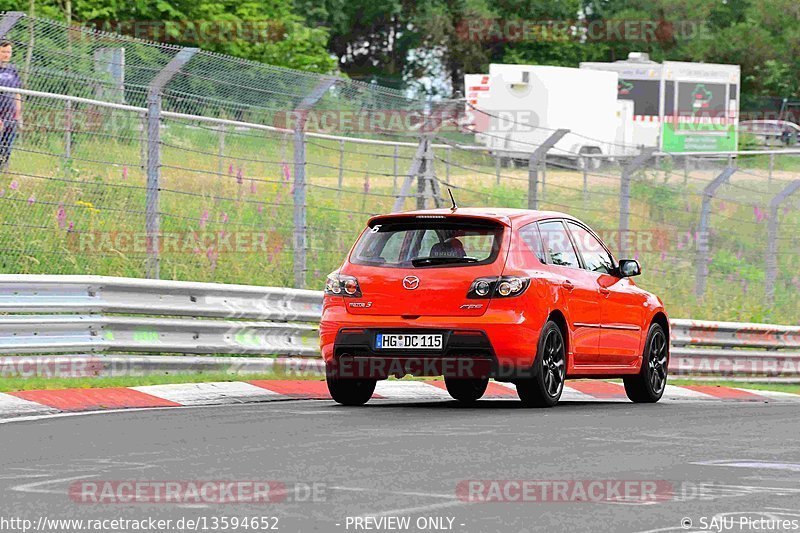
<point>411,282</point>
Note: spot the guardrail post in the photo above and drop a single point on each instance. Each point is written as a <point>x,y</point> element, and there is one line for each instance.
<point>772,240</point>
<point>533,166</point>
<point>152,213</point>
<point>300,235</point>
<point>625,196</point>
<point>702,231</point>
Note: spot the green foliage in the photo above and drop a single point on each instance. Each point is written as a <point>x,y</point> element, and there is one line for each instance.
<point>270,31</point>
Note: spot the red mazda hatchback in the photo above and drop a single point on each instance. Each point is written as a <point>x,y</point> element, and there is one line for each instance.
<point>527,297</point>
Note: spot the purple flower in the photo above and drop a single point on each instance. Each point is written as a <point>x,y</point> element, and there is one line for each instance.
<point>125,172</point>
<point>212,256</point>
<point>230,169</point>
<point>32,199</point>
<point>224,217</point>
<point>252,187</point>
<point>61,216</point>
<point>239,176</point>
<point>287,176</point>
<point>366,184</point>
<point>71,226</point>
<point>260,209</point>
<point>204,219</point>
<point>14,185</point>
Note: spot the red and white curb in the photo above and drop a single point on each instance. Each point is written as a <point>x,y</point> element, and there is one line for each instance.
<point>44,402</point>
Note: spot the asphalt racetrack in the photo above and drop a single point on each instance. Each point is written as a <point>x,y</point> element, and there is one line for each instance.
<point>711,461</point>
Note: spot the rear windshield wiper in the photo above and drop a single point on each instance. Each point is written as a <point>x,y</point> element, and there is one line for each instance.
<point>424,261</point>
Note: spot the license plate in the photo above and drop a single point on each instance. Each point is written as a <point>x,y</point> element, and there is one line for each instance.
<point>414,341</point>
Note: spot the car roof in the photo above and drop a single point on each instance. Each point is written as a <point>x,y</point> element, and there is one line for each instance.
<point>504,215</point>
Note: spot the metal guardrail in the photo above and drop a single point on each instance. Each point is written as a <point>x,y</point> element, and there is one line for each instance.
<point>106,314</point>
<point>734,349</point>
<point>61,314</point>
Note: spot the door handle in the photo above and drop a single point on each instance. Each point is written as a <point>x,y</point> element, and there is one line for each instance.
<point>568,285</point>
<point>605,292</point>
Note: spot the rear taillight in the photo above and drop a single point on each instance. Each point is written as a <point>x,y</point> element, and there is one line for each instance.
<point>502,287</point>
<point>342,285</point>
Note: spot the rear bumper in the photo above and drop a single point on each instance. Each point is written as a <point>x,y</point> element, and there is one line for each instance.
<point>501,343</point>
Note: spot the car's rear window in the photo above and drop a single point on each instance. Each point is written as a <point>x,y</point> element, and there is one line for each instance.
<point>420,243</point>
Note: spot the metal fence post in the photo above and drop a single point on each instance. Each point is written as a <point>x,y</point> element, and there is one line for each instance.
<point>299,198</point>
<point>221,151</point>
<point>341,164</point>
<point>771,167</point>
<point>772,240</point>
<point>152,209</point>
<point>702,231</point>
<point>422,176</point>
<point>394,169</point>
<point>497,167</point>
<point>543,165</point>
<point>447,164</point>
<point>685,170</point>
<point>67,130</point>
<point>533,166</point>
<point>585,178</point>
<point>625,196</point>
<point>417,163</point>
<point>432,189</point>
<point>152,216</point>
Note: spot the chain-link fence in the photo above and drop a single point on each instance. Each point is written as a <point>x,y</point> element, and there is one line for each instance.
<point>138,159</point>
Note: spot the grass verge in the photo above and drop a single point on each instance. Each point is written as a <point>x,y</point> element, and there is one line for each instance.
<point>42,383</point>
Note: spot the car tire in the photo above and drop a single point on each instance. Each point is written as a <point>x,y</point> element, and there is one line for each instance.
<point>350,391</point>
<point>466,390</point>
<point>550,368</point>
<point>649,384</point>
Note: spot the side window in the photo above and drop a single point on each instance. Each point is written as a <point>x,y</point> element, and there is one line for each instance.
<point>530,236</point>
<point>557,242</point>
<point>595,257</point>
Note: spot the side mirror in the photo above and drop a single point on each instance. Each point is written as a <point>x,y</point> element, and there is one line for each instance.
<point>629,267</point>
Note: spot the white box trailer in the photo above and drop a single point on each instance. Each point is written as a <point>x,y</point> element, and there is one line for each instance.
<point>476,89</point>
<point>677,106</point>
<point>525,104</point>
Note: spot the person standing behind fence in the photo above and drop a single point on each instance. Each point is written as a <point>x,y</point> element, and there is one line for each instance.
<point>10,103</point>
